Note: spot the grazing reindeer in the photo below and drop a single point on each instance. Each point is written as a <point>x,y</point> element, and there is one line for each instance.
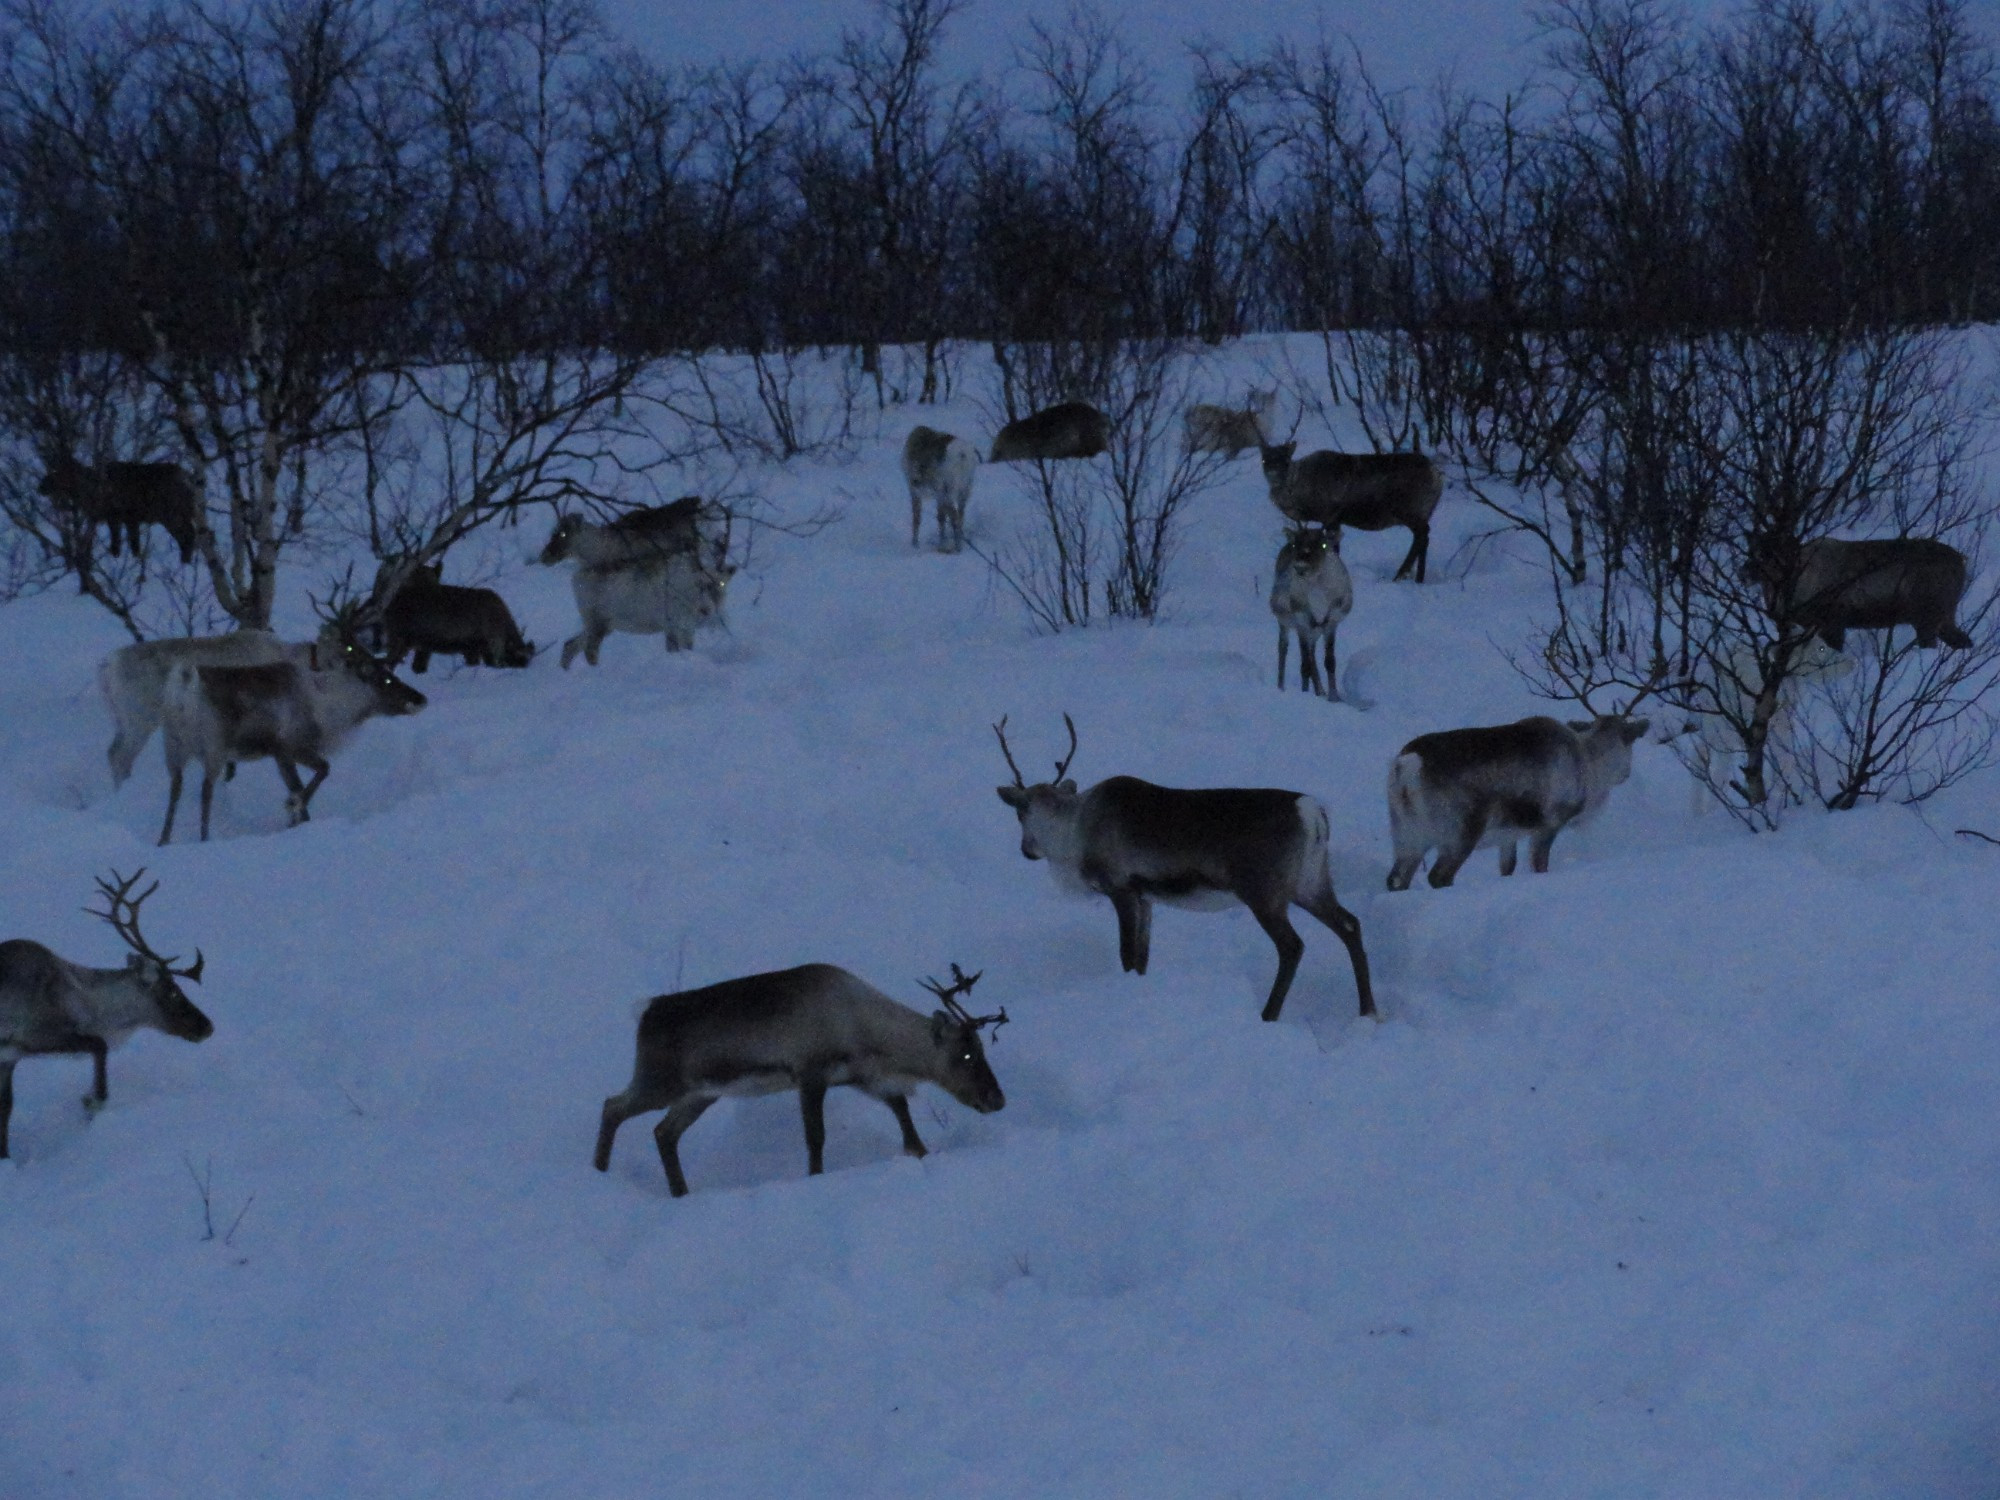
<point>1221,429</point>
<point>427,615</point>
<point>1074,429</point>
<point>134,677</point>
<point>653,534</point>
<point>1878,585</point>
<point>50,1005</point>
<point>1133,841</point>
<point>1460,788</point>
<point>670,596</point>
<point>1311,594</point>
<point>296,713</point>
<point>1368,491</point>
<point>940,466</point>
<point>1739,683</point>
<point>811,1028</point>
<point>129,497</point>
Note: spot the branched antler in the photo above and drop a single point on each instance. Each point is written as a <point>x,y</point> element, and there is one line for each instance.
<point>962,984</point>
<point>121,910</point>
<point>1062,766</point>
<point>1001,730</point>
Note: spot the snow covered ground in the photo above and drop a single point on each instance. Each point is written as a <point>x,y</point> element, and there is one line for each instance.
<point>1670,1173</point>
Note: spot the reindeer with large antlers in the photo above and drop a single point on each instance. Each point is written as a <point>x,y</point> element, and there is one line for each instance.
<point>50,1005</point>
<point>1135,842</point>
<point>811,1028</point>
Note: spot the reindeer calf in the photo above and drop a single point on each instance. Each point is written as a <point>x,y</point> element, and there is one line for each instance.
<point>1222,429</point>
<point>1458,789</point>
<point>940,466</point>
<point>1074,429</point>
<point>428,615</point>
<point>1311,594</point>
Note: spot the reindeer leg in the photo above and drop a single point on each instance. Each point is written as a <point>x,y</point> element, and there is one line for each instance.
<point>1127,906</point>
<point>319,769</point>
<point>207,799</point>
<point>100,1089</point>
<point>1347,927</point>
<point>1332,677</point>
<point>1507,851</point>
<point>1284,644</point>
<point>1454,854</point>
<point>1539,845</point>
<point>812,1106</point>
<point>667,1136</point>
<point>6,1102</point>
<point>1143,936</point>
<point>900,1107</point>
<point>917,517</point>
<point>1309,667</point>
<point>1291,947</point>
<point>173,801</point>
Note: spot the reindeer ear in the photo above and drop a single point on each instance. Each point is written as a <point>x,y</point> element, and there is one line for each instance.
<point>1067,787</point>
<point>1635,730</point>
<point>1015,797</point>
<point>940,1026</point>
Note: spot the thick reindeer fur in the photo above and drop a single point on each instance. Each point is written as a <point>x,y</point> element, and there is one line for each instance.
<point>1367,491</point>
<point>672,596</point>
<point>49,1005</point>
<point>1877,585</point>
<point>134,677</point>
<point>653,534</point>
<point>811,1028</point>
<point>294,713</point>
<point>1310,595</point>
<point>1222,429</point>
<point>429,616</point>
<point>1460,788</point>
<point>1074,429</point>
<point>128,497</point>
<point>940,466</point>
<point>1135,842</point>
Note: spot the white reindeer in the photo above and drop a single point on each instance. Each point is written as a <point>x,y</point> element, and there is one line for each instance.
<point>132,679</point>
<point>941,467</point>
<point>671,596</point>
<point>1738,684</point>
<point>1223,429</point>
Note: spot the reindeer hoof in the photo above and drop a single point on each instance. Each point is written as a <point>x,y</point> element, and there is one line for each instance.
<point>92,1104</point>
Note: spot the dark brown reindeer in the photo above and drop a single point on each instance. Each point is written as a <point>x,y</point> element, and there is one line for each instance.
<point>127,498</point>
<point>811,1028</point>
<point>1074,429</point>
<point>49,1005</point>
<point>427,615</point>
<point>1367,491</point>
<point>1135,842</point>
<point>1838,586</point>
<point>296,713</point>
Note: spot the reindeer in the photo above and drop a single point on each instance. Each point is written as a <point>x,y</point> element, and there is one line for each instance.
<point>133,678</point>
<point>653,534</point>
<point>1460,788</point>
<point>1368,491</point>
<point>1222,429</point>
<point>296,713</point>
<point>50,1005</point>
<point>1133,842</point>
<point>1074,429</point>
<point>671,596</point>
<point>1840,586</point>
<point>127,498</point>
<point>428,615</point>
<point>1311,594</point>
<point>1738,684</point>
<point>940,466</point>
<point>811,1028</point>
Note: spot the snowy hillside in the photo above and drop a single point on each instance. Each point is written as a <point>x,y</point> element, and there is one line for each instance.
<point>1673,1172</point>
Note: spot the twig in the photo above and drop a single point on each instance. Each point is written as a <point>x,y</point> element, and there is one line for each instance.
<point>1974,833</point>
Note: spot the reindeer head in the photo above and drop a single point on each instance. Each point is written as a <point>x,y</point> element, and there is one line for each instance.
<point>955,1031</point>
<point>177,1015</point>
<point>1277,461</point>
<point>339,649</point>
<point>1047,809</point>
<point>1306,548</point>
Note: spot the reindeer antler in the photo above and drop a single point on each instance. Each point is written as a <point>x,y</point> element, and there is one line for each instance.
<point>1001,730</point>
<point>121,910</point>
<point>962,984</point>
<point>1062,766</point>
